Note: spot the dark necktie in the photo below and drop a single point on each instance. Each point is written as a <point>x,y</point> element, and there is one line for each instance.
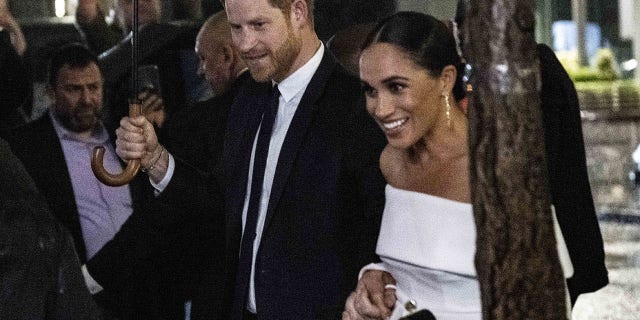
<point>257,179</point>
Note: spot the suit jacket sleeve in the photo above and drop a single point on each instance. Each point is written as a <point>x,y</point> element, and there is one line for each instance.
<point>137,243</point>
<point>364,203</point>
<point>72,300</point>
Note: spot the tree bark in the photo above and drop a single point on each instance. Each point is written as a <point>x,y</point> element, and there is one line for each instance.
<point>516,259</point>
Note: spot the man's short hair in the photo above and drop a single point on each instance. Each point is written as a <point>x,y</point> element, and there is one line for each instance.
<point>285,6</point>
<point>74,55</point>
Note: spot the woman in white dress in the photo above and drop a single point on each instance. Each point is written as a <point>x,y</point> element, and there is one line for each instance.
<point>411,74</point>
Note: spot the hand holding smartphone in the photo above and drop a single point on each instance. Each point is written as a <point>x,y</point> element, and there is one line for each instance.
<point>149,79</point>
<point>149,94</point>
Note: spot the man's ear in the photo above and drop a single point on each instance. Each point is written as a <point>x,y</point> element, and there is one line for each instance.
<point>299,12</point>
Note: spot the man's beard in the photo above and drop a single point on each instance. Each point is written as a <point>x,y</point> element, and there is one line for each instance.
<point>81,121</point>
<point>281,61</point>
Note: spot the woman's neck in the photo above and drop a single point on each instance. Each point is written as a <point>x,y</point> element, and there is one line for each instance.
<point>444,142</point>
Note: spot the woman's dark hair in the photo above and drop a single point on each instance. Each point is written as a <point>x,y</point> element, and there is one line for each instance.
<point>75,55</point>
<point>426,39</point>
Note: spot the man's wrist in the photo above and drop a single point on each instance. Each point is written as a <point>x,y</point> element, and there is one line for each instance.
<point>156,155</point>
<point>161,179</point>
<point>158,170</point>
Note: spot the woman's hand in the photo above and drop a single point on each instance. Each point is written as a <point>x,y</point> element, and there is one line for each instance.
<point>371,300</point>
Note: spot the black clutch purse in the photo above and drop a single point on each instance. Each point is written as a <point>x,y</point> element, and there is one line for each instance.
<point>423,314</point>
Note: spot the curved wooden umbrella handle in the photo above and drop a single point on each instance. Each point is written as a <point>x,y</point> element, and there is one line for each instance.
<point>115,180</point>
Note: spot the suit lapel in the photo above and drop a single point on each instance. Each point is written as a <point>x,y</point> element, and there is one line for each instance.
<point>244,120</point>
<point>53,149</point>
<point>61,188</point>
<point>297,131</point>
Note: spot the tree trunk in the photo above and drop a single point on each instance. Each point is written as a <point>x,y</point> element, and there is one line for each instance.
<point>516,259</point>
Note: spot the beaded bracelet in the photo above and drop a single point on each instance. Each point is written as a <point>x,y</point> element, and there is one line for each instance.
<point>154,162</point>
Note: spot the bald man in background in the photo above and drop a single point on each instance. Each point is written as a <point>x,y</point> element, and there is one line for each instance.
<point>196,133</point>
<point>220,62</point>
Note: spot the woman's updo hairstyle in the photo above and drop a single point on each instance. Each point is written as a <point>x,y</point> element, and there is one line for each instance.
<point>426,39</point>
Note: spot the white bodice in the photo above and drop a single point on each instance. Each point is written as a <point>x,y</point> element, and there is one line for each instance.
<point>428,231</point>
<point>428,244</point>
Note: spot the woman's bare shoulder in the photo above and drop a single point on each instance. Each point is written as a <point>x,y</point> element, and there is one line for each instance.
<point>391,165</point>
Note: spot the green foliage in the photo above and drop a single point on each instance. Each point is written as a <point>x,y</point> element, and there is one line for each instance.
<point>583,74</point>
<point>605,64</point>
<point>603,69</point>
<point>610,95</point>
<point>625,87</point>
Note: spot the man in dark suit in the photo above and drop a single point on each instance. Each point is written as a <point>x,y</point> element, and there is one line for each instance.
<point>55,150</point>
<point>321,188</point>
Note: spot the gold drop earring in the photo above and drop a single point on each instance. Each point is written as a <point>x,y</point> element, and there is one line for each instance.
<point>447,109</point>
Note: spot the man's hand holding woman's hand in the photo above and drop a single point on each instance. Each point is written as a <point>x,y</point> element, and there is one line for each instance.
<point>371,300</point>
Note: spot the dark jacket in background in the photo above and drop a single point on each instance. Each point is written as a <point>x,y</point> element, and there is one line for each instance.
<point>40,275</point>
<point>98,35</point>
<point>568,179</point>
<point>15,86</point>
